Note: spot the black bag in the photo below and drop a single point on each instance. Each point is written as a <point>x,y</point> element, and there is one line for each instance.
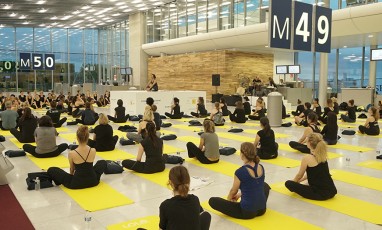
<point>166,125</point>
<point>288,124</point>
<point>163,117</point>
<point>226,151</point>
<point>169,137</point>
<point>71,123</point>
<point>2,138</point>
<point>187,116</point>
<point>124,141</point>
<point>362,115</point>
<point>45,180</point>
<point>171,159</point>
<point>343,106</point>
<point>235,130</point>
<point>195,123</point>
<point>348,132</point>
<point>15,153</point>
<point>134,118</point>
<point>113,167</point>
<point>127,128</point>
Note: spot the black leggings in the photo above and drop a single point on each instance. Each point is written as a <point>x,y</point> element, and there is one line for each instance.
<point>305,191</point>
<point>198,114</point>
<point>266,154</point>
<point>60,122</point>
<point>194,151</point>
<point>59,176</point>
<point>20,137</point>
<point>143,167</point>
<point>32,150</point>
<point>234,209</point>
<point>256,118</point>
<point>235,119</point>
<point>115,120</point>
<point>174,116</point>
<point>93,144</point>
<point>369,131</point>
<point>299,147</point>
<point>80,121</point>
<point>345,118</point>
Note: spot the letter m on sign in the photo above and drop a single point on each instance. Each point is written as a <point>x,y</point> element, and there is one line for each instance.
<point>280,24</point>
<point>25,61</point>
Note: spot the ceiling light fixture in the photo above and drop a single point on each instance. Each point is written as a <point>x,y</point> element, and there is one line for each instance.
<point>22,17</point>
<point>119,3</point>
<point>53,18</point>
<point>76,12</point>
<point>85,7</point>
<point>136,1</point>
<point>345,47</point>
<point>96,2</point>
<point>127,10</point>
<point>25,23</point>
<point>116,15</point>
<point>7,7</point>
<point>40,2</point>
<point>370,36</point>
<point>122,7</point>
<point>42,25</point>
<point>42,10</point>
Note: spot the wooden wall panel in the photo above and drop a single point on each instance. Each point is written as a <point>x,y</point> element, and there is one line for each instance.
<point>194,71</point>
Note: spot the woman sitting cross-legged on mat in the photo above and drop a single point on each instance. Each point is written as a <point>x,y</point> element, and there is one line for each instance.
<point>217,115</point>
<point>259,111</point>
<point>45,136</point>
<point>224,107</point>
<point>183,211</point>
<point>350,115</point>
<point>175,110</point>
<point>120,115</point>
<point>208,150</point>
<point>148,116</point>
<point>266,139</point>
<point>82,172</point>
<point>88,116</point>
<point>238,115</point>
<point>330,130</point>
<point>103,139</point>
<point>371,126</point>
<point>27,125</point>
<point>152,146</point>
<point>200,109</point>
<point>311,128</point>
<point>249,178</point>
<point>320,184</point>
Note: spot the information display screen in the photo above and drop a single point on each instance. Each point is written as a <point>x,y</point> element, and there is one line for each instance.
<point>294,69</point>
<point>281,69</point>
<point>376,55</point>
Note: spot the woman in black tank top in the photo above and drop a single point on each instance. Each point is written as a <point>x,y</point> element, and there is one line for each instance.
<point>300,145</point>
<point>371,126</point>
<point>83,174</point>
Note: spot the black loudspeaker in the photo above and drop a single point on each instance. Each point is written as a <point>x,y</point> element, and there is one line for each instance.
<point>215,79</point>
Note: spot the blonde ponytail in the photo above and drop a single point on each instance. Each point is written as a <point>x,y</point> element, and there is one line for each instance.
<point>317,143</point>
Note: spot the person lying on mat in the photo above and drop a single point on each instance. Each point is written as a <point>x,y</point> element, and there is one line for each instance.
<point>55,114</point>
<point>302,118</point>
<point>103,139</point>
<point>8,117</point>
<point>88,116</point>
<point>200,109</point>
<point>82,172</point>
<point>330,130</point>
<point>45,137</point>
<point>238,115</point>
<point>259,110</point>
<point>148,116</point>
<point>175,110</point>
<point>208,150</point>
<point>27,125</point>
<point>371,126</point>
<point>350,116</point>
<point>312,128</point>
<point>152,146</point>
<point>249,178</point>
<point>266,146</point>
<point>120,115</point>
<point>217,115</point>
<point>183,211</point>
<point>314,168</point>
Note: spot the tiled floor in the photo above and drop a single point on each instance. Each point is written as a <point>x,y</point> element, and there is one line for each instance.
<point>53,209</point>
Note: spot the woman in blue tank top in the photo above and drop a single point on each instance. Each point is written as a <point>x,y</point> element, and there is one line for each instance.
<point>249,178</point>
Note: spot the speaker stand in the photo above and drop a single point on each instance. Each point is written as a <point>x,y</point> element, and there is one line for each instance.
<point>216,90</point>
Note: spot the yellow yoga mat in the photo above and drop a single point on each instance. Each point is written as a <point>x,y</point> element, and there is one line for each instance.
<point>119,133</point>
<point>148,222</point>
<point>270,220</point>
<point>357,179</point>
<point>196,140</point>
<point>160,178</point>
<point>236,137</point>
<point>45,163</point>
<point>165,131</point>
<point>5,133</point>
<point>100,197</point>
<point>371,164</point>
<point>354,148</point>
<point>343,204</point>
<point>222,167</point>
<point>254,131</point>
<point>283,161</point>
<point>189,128</point>
<point>168,149</point>
<point>69,137</point>
<point>116,154</point>
<point>287,148</point>
<point>18,144</point>
<point>62,129</point>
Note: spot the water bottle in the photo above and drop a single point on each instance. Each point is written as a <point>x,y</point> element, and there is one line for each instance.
<point>37,184</point>
<point>88,220</point>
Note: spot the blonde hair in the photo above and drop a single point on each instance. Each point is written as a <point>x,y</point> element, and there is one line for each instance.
<point>317,143</point>
<point>209,126</point>
<point>103,120</point>
<point>148,115</point>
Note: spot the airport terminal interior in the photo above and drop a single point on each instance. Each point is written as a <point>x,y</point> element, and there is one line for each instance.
<point>190,49</point>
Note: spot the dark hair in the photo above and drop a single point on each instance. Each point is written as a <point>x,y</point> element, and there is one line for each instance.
<point>87,105</point>
<point>332,121</point>
<point>246,98</point>
<point>150,101</point>
<point>308,105</point>
<point>53,104</point>
<point>351,102</point>
<point>176,100</point>
<point>201,100</point>
<point>222,100</point>
<point>153,75</point>
<point>120,103</point>
<point>312,117</point>
<point>83,134</point>
<point>329,102</point>
<point>154,108</point>
<point>27,114</point>
<point>375,112</point>
<point>316,99</point>
<point>180,180</point>
<point>239,105</point>
<point>45,121</point>
<point>151,133</point>
<point>298,101</point>
<point>265,123</point>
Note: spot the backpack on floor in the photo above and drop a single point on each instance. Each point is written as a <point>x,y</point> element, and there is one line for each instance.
<point>348,132</point>
<point>15,153</point>
<point>362,115</point>
<point>124,142</point>
<point>171,159</point>
<point>2,138</point>
<point>195,123</point>
<point>226,151</point>
<point>288,124</point>
<point>45,180</point>
<point>168,137</point>
<point>236,130</point>
<point>134,118</point>
<point>166,125</point>
<point>71,123</point>
<point>127,128</point>
<point>343,106</point>
<point>113,167</point>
